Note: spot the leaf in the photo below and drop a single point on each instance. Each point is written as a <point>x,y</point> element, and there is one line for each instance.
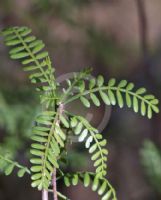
<point>21,172</point>
<point>105,98</point>
<point>83,135</point>
<point>92,83</point>
<point>19,55</point>
<point>111,82</point>
<point>95,99</point>
<point>78,128</point>
<point>128,100</point>
<point>88,142</point>
<point>102,188</point>
<point>73,122</point>
<point>107,195</point>
<point>81,86</point>
<point>149,112</point>
<point>85,102</point>
<point>66,181</point>
<point>100,81</point>
<point>86,179</point>
<point>122,83</point>
<point>75,179</point>
<point>120,99</point>
<point>42,55</point>
<point>130,86</point>
<point>95,184</point>
<point>135,104</point>
<point>141,91</point>
<point>155,108</point>
<point>9,169</point>
<point>143,108</point>
<point>111,97</point>
<point>64,121</point>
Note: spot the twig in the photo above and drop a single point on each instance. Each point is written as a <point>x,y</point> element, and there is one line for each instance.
<point>44,194</point>
<point>55,185</point>
<point>143,26</point>
<point>60,111</point>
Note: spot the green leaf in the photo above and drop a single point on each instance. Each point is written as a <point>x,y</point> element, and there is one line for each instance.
<point>81,86</point>
<point>111,82</point>
<point>86,179</point>
<point>141,91</point>
<point>100,80</point>
<point>66,181</point>
<point>149,112</point>
<point>128,100</point>
<point>120,99</point>
<point>19,55</point>
<point>85,102</point>
<point>130,86</point>
<point>73,122</point>
<point>42,55</point>
<point>143,108</point>
<point>155,108</point>
<point>88,142</point>
<point>83,135</point>
<point>9,169</point>
<point>95,99</point>
<point>21,172</point>
<point>64,121</point>
<point>75,179</point>
<point>105,98</point>
<point>92,83</point>
<point>78,128</point>
<point>111,97</point>
<point>135,104</point>
<point>102,188</point>
<point>95,184</point>
<point>122,83</point>
<point>107,195</point>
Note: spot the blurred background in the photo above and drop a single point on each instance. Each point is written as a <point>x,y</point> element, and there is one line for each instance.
<point>118,38</point>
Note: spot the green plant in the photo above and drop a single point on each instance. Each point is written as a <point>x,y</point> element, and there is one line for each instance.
<point>55,124</point>
<point>151,161</point>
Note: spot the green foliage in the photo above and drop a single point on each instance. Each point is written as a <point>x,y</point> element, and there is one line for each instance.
<point>151,161</point>
<point>53,126</point>
<point>8,166</point>
<point>45,149</point>
<point>29,50</point>
<point>99,185</point>
<point>93,142</point>
<point>116,94</point>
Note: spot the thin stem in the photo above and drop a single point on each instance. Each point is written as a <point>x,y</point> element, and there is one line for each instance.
<point>143,26</point>
<point>60,195</point>
<point>55,185</point>
<point>44,194</point>
<point>60,111</point>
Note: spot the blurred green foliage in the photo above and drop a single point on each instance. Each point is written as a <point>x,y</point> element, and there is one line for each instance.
<point>151,161</point>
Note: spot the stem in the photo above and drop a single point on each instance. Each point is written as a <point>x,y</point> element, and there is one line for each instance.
<point>143,26</point>
<point>44,195</point>
<point>60,111</point>
<point>55,185</point>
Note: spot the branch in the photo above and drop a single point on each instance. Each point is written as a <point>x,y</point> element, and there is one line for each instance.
<point>60,111</point>
<point>44,195</point>
<point>143,26</point>
<point>55,186</point>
